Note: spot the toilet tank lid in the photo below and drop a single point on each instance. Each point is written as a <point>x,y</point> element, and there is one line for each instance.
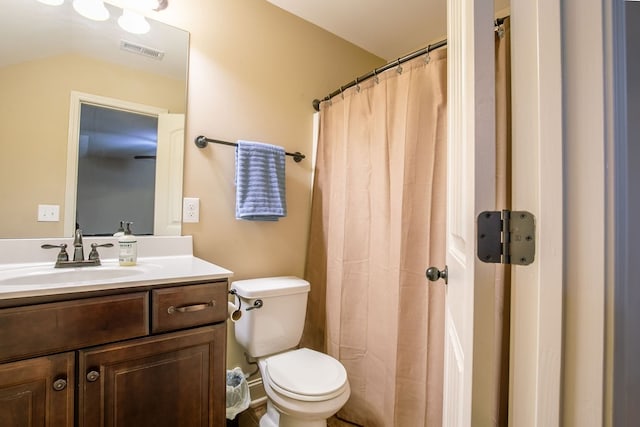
<point>270,286</point>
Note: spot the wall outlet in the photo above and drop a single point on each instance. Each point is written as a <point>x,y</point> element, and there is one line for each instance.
<point>48,213</point>
<point>191,209</point>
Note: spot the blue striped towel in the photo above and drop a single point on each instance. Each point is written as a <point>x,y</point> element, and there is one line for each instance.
<point>260,189</point>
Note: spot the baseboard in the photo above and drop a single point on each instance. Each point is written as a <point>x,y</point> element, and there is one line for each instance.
<point>257,393</point>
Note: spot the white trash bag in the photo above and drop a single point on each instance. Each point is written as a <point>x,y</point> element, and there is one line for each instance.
<point>238,398</point>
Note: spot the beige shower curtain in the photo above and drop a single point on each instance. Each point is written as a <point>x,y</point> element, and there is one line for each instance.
<point>378,220</point>
<point>377,223</point>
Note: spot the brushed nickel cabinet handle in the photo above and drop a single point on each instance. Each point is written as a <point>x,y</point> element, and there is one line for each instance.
<point>93,376</point>
<point>191,308</point>
<point>60,384</point>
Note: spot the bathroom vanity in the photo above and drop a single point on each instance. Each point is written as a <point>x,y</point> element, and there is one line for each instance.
<point>144,349</point>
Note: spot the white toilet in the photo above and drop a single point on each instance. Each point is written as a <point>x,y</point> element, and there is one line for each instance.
<point>304,387</point>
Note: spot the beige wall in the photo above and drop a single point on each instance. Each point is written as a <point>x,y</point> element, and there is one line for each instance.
<point>253,72</point>
<point>34,131</point>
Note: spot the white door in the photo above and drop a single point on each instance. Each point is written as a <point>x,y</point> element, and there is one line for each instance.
<point>536,310</point>
<point>168,194</point>
<point>470,190</point>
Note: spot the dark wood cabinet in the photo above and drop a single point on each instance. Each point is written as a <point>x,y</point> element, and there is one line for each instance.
<point>128,373</point>
<point>38,392</point>
<point>34,330</point>
<point>164,380</point>
<point>183,307</point>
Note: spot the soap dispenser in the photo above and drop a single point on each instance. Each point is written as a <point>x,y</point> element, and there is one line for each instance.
<point>120,231</point>
<point>128,247</point>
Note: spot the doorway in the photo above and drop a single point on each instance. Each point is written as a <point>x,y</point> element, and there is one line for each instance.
<point>116,170</point>
<point>127,131</point>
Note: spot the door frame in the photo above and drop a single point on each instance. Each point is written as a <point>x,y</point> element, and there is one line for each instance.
<point>579,126</point>
<point>536,347</point>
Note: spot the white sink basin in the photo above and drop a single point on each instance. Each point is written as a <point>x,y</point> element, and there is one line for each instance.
<point>30,279</point>
<point>49,276</point>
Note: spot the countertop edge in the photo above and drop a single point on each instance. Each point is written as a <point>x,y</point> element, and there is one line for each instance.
<point>183,270</point>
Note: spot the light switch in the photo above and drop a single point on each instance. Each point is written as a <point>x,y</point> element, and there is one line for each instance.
<point>191,209</point>
<point>48,213</point>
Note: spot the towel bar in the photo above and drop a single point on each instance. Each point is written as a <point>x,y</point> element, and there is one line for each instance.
<point>202,141</point>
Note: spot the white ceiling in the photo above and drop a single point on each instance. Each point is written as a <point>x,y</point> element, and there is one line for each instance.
<point>386,28</point>
<point>31,30</point>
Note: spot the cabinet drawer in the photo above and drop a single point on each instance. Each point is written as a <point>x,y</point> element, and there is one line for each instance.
<point>187,306</point>
<point>68,325</point>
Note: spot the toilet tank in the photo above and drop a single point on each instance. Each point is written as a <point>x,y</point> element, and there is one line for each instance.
<point>277,325</point>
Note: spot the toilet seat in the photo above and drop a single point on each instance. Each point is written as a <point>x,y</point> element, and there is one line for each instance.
<point>306,375</point>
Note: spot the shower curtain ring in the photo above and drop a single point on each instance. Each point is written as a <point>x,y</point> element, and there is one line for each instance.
<point>357,85</point>
<point>341,92</point>
<point>375,76</point>
<point>399,69</point>
<point>427,57</point>
<point>498,27</point>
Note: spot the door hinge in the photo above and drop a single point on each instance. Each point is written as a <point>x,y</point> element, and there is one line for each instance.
<point>506,237</point>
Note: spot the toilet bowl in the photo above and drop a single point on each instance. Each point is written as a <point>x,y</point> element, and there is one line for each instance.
<point>304,387</point>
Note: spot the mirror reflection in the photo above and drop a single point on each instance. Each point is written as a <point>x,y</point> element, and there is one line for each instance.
<point>117,149</point>
<point>47,53</point>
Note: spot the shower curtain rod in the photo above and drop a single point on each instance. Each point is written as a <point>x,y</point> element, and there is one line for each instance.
<point>409,57</point>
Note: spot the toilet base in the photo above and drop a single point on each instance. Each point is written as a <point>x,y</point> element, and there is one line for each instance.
<point>273,418</point>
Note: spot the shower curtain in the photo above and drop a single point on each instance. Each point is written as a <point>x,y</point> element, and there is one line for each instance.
<point>377,222</point>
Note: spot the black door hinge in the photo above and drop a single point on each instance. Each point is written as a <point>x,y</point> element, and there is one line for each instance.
<point>506,237</point>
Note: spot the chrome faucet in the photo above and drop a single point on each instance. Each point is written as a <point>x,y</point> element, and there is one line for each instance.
<point>78,249</point>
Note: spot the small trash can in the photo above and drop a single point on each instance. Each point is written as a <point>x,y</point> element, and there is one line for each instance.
<point>238,398</point>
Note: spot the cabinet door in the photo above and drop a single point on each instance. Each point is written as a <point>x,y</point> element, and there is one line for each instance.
<point>174,379</point>
<point>37,392</point>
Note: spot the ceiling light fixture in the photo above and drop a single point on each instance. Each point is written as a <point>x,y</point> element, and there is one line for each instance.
<point>133,22</point>
<point>92,9</point>
<point>132,19</point>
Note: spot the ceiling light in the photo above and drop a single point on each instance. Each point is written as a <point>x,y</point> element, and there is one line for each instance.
<point>92,9</point>
<point>133,22</point>
<point>52,2</point>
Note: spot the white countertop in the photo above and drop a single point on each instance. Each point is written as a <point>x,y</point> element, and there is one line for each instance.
<point>172,261</point>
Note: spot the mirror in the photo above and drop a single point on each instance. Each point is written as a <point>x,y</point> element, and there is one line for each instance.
<point>48,54</point>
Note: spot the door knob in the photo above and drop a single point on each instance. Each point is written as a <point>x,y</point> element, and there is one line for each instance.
<point>433,274</point>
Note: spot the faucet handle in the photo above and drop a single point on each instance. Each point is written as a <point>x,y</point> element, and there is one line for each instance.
<point>93,255</point>
<point>62,255</point>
